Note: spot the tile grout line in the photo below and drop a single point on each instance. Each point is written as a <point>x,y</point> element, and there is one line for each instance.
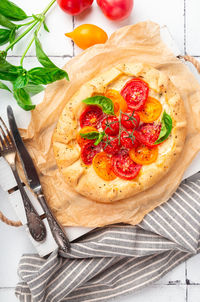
<point>73,24</point>
<point>33,56</point>
<point>184,14</point>
<point>186,282</point>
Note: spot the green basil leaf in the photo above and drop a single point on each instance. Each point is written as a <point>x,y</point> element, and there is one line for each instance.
<point>166,128</point>
<point>94,135</point>
<point>46,27</point>
<point>21,81</point>
<point>12,35</point>
<point>4,35</point>
<point>105,103</point>
<point>3,86</point>
<point>11,10</point>
<point>41,56</point>
<point>90,135</point>
<point>99,139</point>
<point>9,72</point>
<point>6,23</point>
<point>33,89</point>
<point>44,76</point>
<point>23,99</point>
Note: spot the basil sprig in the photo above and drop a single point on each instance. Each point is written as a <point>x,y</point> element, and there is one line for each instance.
<point>166,128</point>
<point>25,83</point>
<point>105,103</point>
<point>98,136</point>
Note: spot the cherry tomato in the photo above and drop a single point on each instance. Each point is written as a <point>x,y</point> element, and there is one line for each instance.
<point>147,134</point>
<point>102,166</point>
<point>111,125</point>
<point>151,110</point>
<point>130,119</point>
<point>135,92</point>
<point>91,116</point>
<point>88,152</point>
<point>116,9</point>
<point>128,139</point>
<point>112,147</point>
<point>87,35</point>
<point>144,155</point>
<point>82,140</point>
<point>74,7</point>
<point>118,101</point>
<point>124,167</point>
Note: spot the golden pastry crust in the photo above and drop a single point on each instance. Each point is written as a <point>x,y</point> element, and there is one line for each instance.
<point>84,179</point>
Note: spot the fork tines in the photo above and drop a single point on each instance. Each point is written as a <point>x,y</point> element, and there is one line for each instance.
<point>5,136</point>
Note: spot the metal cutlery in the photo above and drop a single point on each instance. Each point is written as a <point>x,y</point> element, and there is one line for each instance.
<point>8,151</point>
<point>34,183</point>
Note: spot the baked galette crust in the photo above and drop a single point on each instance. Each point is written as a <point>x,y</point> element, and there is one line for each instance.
<point>84,179</point>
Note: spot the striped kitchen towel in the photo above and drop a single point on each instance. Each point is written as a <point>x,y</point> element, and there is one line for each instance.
<point>120,259</point>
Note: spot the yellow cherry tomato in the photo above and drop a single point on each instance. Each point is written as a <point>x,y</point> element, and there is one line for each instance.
<point>151,110</point>
<point>87,35</point>
<point>102,166</point>
<point>81,141</point>
<point>144,155</point>
<point>118,100</point>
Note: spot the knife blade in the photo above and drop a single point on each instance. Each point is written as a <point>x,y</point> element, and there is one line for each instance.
<point>34,183</point>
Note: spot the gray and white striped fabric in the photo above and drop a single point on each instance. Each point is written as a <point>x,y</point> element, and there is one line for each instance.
<point>120,259</point>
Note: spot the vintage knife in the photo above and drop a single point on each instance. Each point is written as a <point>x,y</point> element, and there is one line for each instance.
<point>34,183</point>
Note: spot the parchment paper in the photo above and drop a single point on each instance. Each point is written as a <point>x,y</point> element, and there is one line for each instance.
<point>142,43</point>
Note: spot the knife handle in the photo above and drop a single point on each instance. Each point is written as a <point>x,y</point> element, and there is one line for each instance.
<point>57,231</point>
<point>34,222</point>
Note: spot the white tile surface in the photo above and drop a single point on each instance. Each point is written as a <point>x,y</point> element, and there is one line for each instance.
<point>193,293</point>
<point>163,12</point>
<point>192,27</point>
<point>14,241</point>
<point>193,271</point>
<point>162,293</point>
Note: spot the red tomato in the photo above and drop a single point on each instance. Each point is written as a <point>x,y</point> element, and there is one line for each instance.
<point>88,152</point>
<point>135,92</point>
<point>113,147</point>
<point>91,116</point>
<point>147,134</point>
<point>130,120</point>
<point>116,9</point>
<point>128,140</point>
<point>111,124</point>
<point>124,167</point>
<point>74,7</point>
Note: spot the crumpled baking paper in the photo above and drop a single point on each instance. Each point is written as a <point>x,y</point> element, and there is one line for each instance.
<point>142,43</point>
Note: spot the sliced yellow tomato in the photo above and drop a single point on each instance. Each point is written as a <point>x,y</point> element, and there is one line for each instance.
<point>102,166</point>
<point>81,141</point>
<point>118,100</point>
<point>151,110</point>
<point>144,155</point>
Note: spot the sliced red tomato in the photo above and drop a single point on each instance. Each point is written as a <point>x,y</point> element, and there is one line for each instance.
<point>118,101</point>
<point>91,116</point>
<point>128,139</point>
<point>88,152</point>
<point>111,125</point>
<point>135,92</point>
<point>102,166</point>
<point>130,119</point>
<point>111,145</point>
<point>144,155</point>
<point>147,134</point>
<point>86,129</point>
<point>151,110</point>
<point>124,167</point>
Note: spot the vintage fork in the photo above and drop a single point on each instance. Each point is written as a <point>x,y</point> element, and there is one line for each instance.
<point>7,150</point>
